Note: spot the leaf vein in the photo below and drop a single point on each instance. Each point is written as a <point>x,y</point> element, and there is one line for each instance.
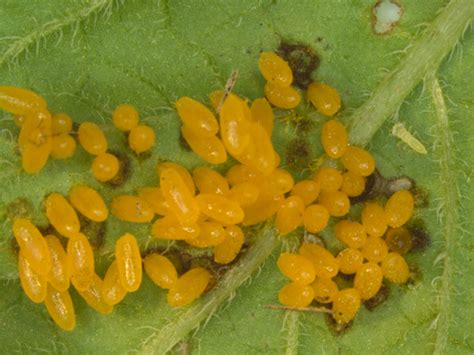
<point>208,58</point>
<point>292,326</point>
<point>422,57</point>
<point>165,338</point>
<point>22,44</point>
<point>450,213</point>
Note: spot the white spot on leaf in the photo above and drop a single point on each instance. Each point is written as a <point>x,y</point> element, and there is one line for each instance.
<point>387,14</point>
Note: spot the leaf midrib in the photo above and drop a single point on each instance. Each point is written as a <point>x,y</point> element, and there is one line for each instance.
<point>422,57</point>
<point>165,338</point>
<point>22,44</point>
<point>365,135</point>
<point>450,211</point>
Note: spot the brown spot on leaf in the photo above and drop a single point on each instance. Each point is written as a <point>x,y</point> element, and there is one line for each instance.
<point>14,245</point>
<point>95,231</point>
<point>298,154</point>
<point>421,197</point>
<point>124,170</point>
<point>302,59</point>
<point>336,328</point>
<point>379,298</point>
<point>19,208</point>
<point>420,239</point>
<point>304,125</point>
<point>143,155</point>
<point>49,229</point>
<point>75,128</point>
<point>369,192</point>
<point>377,185</point>
<point>183,144</point>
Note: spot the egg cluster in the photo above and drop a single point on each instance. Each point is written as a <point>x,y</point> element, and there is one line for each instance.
<point>373,250</point>
<point>46,270</point>
<point>206,209</point>
<point>42,134</point>
<point>368,255</point>
<point>279,76</point>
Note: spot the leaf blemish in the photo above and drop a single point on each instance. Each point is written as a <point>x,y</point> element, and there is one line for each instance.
<point>378,299</point>
<point>14,245</point>
<point>420,239</point>
<point>337,329</point>
<point>298,154</point>
<point>183,144</point>
<point>19,208</point>
<point>377,185</point>
<point>95,231</point>
<point>124,170</point>
<point>421,197</point>
<point>304,125</point>
<point>302,59</point>
<point>386,15</point>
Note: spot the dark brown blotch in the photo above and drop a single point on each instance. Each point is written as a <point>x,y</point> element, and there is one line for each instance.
<point>19,208</point>
<point>302,59</point>
<point>298,154</point>
<point>421,197</point>
<point>14,245</point>
<point>377,185</point>
<point>420,239</point>
<point>304,126</point>
<point>95,231</point>
<point>183,144</point>
<point>336,328</point>
<point>124,170</point>
<point>379,298</point>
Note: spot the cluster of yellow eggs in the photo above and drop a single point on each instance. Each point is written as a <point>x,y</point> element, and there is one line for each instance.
<point>204,208</point>
<point>373,250</point>
<point>43,134</point>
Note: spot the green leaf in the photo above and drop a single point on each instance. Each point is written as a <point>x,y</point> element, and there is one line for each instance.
<point>86,57</point>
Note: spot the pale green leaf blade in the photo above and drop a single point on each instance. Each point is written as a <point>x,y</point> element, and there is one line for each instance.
<point>86,57</point>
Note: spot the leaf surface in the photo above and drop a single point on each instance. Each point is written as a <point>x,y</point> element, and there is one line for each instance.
<point>86,57</point>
